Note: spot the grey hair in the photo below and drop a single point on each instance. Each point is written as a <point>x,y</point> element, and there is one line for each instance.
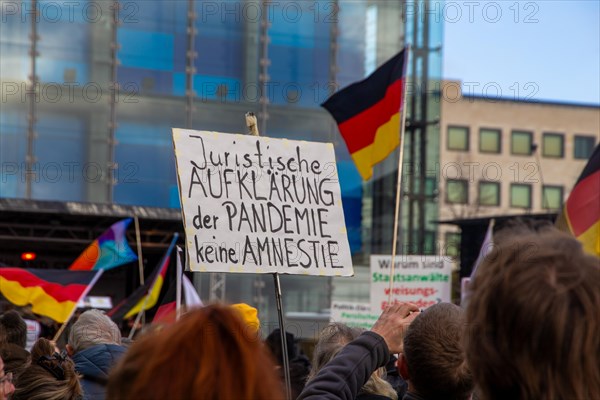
<point>92,328</point>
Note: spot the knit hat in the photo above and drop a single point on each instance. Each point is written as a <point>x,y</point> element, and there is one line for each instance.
<point>249,315</point>
<point>15,328</point>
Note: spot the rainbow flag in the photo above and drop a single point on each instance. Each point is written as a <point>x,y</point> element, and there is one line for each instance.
<point>108,251</point>
<point>53,293</point>
<point>368,114</point>
<point>146,296</point>
<point>581,213</point>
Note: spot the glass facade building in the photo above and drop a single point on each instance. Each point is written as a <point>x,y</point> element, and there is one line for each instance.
<point>91,90</point>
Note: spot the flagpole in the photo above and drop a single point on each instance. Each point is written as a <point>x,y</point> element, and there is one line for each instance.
<point>178,284</point>
<point>251,123</point>
<point>138,240</point>
<point>85,292</point>
<point>138,317</point>
<point>399,178</point>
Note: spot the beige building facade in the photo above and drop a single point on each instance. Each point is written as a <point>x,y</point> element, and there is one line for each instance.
<point>504,156</point>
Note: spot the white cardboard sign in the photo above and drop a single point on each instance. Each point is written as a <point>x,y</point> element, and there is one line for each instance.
<point>261,205</point>
<point>423,280</point>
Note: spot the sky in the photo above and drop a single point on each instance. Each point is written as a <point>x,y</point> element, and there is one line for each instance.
<point>541,50</point>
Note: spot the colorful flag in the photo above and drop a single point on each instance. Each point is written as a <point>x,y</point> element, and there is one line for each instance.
<point>146,296</point>
<point>108,251</point>
<point>368,114</point>
<point>51,292</point>
<point>581,213</point>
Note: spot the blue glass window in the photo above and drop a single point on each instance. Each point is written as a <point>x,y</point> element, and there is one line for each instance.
<point>146,174</point>
<point>61,168</point>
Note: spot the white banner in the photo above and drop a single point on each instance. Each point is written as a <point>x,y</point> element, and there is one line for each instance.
<point>357,315</point>
<point>423,280</point>
<point>261,205</point>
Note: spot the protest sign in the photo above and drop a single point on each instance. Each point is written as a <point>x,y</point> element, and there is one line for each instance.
<point>261,205</point>
<point>423,280</point>
<point>357,315</point>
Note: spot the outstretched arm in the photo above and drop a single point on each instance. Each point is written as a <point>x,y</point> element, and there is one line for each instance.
<point>346,373</point>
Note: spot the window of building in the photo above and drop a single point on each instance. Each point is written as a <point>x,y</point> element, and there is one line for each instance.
<point>489,193</point>
<point>584,146</point>
<point>552,197</point>
<point>489,140</point>
<point>452,244</point>
<point>520,195</point>
<point>553,145</point>
<point>458,138</point>
<point>520,143</point>
<point>457,191</point>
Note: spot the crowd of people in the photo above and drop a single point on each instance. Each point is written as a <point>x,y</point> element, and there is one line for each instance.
<point>529,332</point>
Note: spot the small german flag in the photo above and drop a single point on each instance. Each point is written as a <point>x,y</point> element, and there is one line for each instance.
<point>51,292</point>
<point>146,296</point>
<point>368,114</point>
<point>581,213</point>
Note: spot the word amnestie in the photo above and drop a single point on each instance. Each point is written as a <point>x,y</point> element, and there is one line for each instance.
<point>273,251</point>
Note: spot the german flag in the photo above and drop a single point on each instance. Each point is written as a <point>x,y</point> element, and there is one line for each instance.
<point>581,213</point>
<point>368,114</point>
<point>166,312</point>
<point>146,296</point>
<point>52,293</point>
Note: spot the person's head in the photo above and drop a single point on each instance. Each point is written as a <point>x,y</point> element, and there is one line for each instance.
<point>92,328</point>
<point>332,340</point>
<point>273,342</point>
<point>208,353</point>
<point>434,359</point>
<point>15,328</point>
<point>534,319</point>
<point>6,382</point>
<point>50,376</point>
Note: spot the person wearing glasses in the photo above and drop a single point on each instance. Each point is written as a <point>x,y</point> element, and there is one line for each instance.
<point>6,385</point>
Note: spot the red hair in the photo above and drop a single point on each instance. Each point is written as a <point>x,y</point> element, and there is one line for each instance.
<point>208,354</point>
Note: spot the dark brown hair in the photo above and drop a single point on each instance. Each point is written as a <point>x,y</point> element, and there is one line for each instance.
<point>534,318</point>
<point>208,354</point>
<point>50,376</point>
<point>434,354</point>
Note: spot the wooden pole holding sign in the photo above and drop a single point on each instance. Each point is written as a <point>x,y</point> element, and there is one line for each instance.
<point>252,124</point>
<point>399,178</point>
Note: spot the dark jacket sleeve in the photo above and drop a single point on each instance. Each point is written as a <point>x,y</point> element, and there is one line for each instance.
<point>347,372</point>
